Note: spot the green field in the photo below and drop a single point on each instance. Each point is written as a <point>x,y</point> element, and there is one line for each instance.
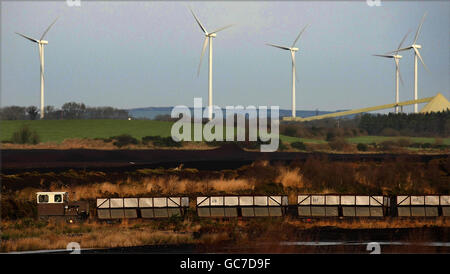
<point>58,130</point>
<point>379,139</point>
<point>289,139</point>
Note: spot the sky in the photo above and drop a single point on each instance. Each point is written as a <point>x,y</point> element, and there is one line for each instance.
<point>146,53</point>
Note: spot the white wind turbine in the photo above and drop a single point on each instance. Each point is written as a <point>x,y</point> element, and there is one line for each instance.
<point>292,49</point>
<point>208,39</point>
<point>416,48</point>
<point>396,58</point>
<point>41,44</point>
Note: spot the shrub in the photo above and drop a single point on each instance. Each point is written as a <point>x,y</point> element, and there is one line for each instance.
<point>124,140</point>
<point>270,188</point>
<point>362,147</point>
<point>289,130</point>
<point>298,145</point>
<point>160,141</point>
<point>25,136</point>
<point>282,146</point>
<point>330,136</point>
<point>387,145</point>
<point>338,144</point>
<point>403,142</point>
<point>427,145</point>
<point>438,142</point>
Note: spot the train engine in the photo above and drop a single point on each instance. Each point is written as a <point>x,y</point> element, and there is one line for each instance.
<point>56,205</point>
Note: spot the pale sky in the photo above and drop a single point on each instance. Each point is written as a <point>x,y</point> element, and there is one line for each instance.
<point>141,54</point>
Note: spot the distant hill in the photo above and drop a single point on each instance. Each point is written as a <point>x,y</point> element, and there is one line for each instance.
<point>152,112</point>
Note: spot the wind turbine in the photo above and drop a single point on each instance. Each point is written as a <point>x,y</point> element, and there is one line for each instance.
<point>292,49</point>
<point>396,58</point>
<point>41,44</point>
<point>208,39</point>
<point>416,48</point>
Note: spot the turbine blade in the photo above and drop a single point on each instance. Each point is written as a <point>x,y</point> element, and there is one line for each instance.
<point>29,38</point>
<point>222,28</point>
<point>398,50</point>
<point>41,51</point>
<point>298,36</point>
<point>381,55</point>
<point>205,43</point>
<point>281,47</point>
<point>198,22</point>
<point>418,29</point>
<point>397,65</point>
<point>403,40</point>
<point>45,32</point>
<point>421,60</point>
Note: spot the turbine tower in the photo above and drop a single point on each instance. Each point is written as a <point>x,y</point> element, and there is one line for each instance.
<point>292,49</point>
<point>416,48</point>
<point>208,39</point>
<point>41,44</point>
<point>396,58</point>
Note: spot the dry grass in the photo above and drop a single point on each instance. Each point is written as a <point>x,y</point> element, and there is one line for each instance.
<point>77,143</point>
<point>22,235</point>
<point>170,185</point>
<point>101,238</point>
<point>368,223</point>
<point>66,144</point>
<point>289,177</point>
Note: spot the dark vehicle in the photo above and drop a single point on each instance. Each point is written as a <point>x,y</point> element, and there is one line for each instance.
<point>56,205</point>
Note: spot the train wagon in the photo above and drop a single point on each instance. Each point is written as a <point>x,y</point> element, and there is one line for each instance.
<point>56,205</point>
<point>146,208</point>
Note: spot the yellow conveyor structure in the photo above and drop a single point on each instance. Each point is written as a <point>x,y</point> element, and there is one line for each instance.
<point>435,104</point>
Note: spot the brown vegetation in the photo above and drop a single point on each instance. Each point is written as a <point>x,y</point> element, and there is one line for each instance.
<point>77,143</point>
<point>207,234</point>
<point>401,175</point>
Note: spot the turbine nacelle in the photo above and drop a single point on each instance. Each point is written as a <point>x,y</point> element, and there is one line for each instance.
<point>211,35</point>
<point>294,49</point>
<point>43,42</point>
<point>416,46</point>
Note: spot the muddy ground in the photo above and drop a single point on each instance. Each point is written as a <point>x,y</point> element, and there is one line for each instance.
<point>226,157</point>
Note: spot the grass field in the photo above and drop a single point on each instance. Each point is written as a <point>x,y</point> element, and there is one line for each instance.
<point>59,130</point>
<point>379,139</point>
<point>289,139</point>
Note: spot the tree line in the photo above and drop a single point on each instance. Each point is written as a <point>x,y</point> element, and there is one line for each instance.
<point>436,124</point>
<point>70,110</point>
<point>412,124</point>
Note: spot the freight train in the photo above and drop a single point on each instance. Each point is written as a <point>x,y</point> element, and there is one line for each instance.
<point>57,205</point>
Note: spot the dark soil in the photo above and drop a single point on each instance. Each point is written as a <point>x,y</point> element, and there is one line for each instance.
<point>226,157</point>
